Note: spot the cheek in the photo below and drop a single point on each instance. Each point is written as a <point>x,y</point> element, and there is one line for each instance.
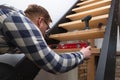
<point>44,29</point>
<point>41,28</point>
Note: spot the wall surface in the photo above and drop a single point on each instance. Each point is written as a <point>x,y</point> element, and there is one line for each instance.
<point>71,75</point>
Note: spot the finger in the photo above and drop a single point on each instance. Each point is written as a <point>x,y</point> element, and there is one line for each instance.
<point>89,47</point>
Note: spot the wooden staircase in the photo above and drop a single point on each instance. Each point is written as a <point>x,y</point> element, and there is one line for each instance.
<point>99,10</point>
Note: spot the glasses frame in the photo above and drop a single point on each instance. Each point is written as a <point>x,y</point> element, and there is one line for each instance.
<point>47,24</point>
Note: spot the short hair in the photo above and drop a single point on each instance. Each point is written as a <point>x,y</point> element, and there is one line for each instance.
<point>34,10</point>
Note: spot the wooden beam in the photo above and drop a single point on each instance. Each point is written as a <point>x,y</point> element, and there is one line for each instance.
<point>95,51</point>
<point>80,35</point>
<point>78,24</point>
<point>92,6</point>
<point>87,2</point>
<point>91,68</point>
<point>94,12</point>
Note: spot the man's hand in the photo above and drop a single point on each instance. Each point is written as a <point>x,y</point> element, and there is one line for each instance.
<point>86,52</point>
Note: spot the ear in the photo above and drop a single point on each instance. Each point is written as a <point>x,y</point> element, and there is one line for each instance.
<point>39,21</point>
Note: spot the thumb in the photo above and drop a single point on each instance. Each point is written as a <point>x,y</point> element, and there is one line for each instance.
<point>89,47</point>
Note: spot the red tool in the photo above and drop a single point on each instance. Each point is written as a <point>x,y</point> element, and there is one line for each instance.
<point>69,45</point>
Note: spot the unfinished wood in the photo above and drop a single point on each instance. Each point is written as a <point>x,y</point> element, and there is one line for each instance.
<point>91,68</point>
<point>78,24</point>
<point>87,2</point>
<point>95,51</point>
<point>92,6</point>
<point>80,35</point>
<point>83,0</point>
<point>92,42</point>
<point>93,12</point>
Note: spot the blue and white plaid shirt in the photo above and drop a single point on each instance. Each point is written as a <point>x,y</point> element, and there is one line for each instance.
<point>18,32</point>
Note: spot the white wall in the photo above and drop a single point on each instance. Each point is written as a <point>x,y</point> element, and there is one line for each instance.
<point>71,75</point>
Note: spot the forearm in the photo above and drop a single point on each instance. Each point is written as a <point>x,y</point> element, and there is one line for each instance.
<point>60,63</point>
<point>50,61</point>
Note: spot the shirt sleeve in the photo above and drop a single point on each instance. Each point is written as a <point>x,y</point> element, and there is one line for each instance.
<point>25,35</point>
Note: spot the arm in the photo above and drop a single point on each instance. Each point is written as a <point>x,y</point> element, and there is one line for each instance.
<point>25,35</point>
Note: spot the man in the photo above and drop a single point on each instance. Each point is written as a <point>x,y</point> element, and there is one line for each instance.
<point>24,33</point>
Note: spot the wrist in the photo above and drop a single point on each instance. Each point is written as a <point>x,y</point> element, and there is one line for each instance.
<point>82,56</point>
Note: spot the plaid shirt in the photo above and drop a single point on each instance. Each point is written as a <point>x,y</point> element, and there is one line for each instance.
<point>17,31</point>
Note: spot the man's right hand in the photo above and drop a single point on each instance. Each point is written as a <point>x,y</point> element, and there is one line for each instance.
<point>86,52</point>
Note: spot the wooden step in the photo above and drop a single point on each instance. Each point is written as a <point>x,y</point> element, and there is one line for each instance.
<point>93,12</point>
<point>80,35</point>
<point>78,24</point>
<point>83,0</point>
<point>92,6</point>
<point>87,2</point>
<point>95,51</point>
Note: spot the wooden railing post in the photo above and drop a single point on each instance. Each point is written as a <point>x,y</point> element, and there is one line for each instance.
<point>91,68</point>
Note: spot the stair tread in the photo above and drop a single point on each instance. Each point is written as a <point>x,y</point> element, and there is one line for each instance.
<point>92,6</point>
<point>93,50</point>
<point>78,24</point>
<point>80,35</point>
<point>87,2</point>
<point>93,12</point>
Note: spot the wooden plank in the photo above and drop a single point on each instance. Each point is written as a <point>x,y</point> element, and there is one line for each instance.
<point>78,24</point>
<point>92,6</point>
<point>92,42</point>
<point>87,2</point>
<point>95,51</point>
<point>93,12</point>
<point>91,68</point>
<point>80,35</point>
